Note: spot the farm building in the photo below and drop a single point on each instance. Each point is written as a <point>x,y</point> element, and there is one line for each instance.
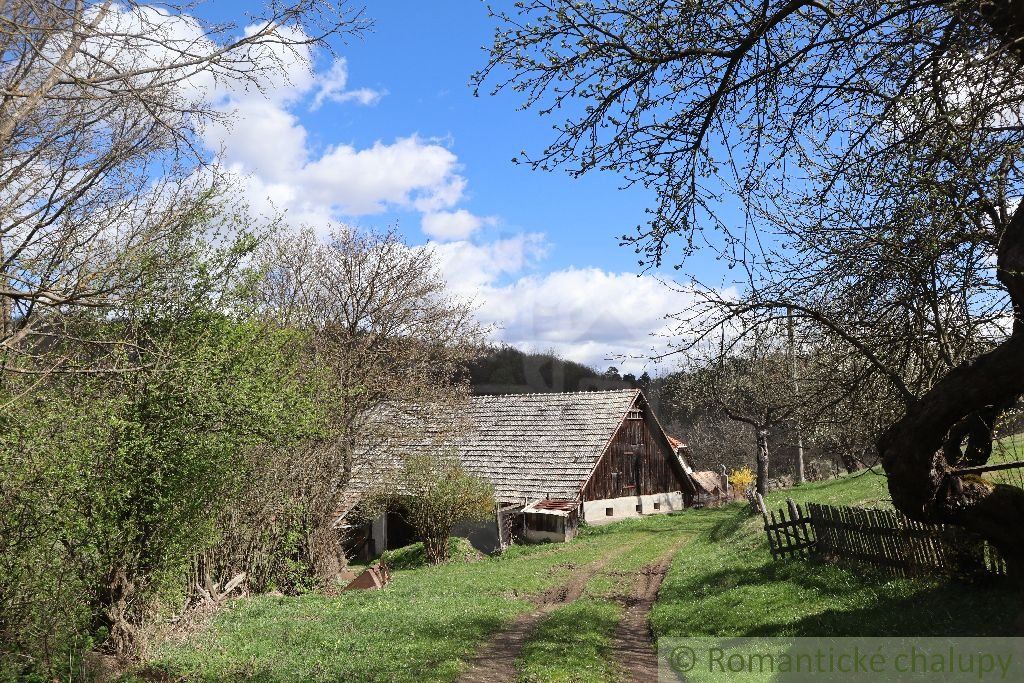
<point>555,459</point>
<point>712,488</point>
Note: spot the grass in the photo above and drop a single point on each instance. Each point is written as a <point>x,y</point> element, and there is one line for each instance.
<point>574,642</point>
<point>726,584</point>
<point>414,556</point>
<point>430,620</point>
<point>421,628</point>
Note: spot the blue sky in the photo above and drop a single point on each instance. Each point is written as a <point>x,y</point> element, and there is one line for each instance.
<point>388,132</point>
<point>423,55</point>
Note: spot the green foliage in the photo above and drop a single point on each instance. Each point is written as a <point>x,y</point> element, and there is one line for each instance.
<point>433,493</point>
<point>429,621</point>
<point>422,627</point>
<point>414,556</point>
<point>726,584</point>
<point>112,478</point>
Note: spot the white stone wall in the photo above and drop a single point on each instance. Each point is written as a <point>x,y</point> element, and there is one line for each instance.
<point>379,535</point>
<point>596,511</point>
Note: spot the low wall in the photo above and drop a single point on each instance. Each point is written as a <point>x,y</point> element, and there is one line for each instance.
<point>596,511</point>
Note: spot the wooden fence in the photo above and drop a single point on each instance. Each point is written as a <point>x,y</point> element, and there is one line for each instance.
<point>792,535</point>
<point>883,538</point>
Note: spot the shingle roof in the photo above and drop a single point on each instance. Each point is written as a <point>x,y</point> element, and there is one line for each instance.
<point>708,480</point>
<point>529,446</point>
<point>540,445</point>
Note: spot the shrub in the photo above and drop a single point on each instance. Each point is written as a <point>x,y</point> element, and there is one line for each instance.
<point>415,556</point>
<point>433,494</point>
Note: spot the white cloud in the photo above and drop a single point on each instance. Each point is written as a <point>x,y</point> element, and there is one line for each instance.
<point>446,226</point>
<point>265,144</point>
<point>584,314</point>
<point>409,172</point>
<point>332,86</point>
<point>473,269</point>
<point>268,142</point>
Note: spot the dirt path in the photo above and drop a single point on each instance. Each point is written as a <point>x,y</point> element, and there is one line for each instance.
<point>496,660</point>
<point>633,650</point>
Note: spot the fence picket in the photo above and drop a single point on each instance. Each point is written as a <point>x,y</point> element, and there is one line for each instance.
<point>883,538</point>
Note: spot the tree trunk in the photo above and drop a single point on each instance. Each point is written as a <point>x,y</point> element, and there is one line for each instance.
<point>435,547</point>
<point>762,461</point>
<point>916,451</point>
<point>113,615</point>
<point>6,305</point>
<point>798,474</point>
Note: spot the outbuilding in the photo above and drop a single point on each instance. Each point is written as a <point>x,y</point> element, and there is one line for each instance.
<point>556,459</point>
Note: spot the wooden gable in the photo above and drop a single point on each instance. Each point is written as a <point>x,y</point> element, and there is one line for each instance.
<point>638,460</point>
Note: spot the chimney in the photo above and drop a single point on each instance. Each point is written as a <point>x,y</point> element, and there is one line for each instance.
<point>725,479</point>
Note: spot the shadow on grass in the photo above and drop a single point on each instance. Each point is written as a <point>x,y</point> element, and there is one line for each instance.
<point>731,587</point>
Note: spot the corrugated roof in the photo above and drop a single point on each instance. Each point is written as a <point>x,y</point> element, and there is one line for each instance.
<point>555,504</point>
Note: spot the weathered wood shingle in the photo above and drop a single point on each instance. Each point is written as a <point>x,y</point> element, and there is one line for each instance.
<point>534,446</point>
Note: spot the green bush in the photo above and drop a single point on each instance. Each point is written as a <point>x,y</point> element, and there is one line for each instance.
<point>414,556</point>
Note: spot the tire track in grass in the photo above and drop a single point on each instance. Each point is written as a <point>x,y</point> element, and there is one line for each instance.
<point>633,650</point>
<point>496,660</point>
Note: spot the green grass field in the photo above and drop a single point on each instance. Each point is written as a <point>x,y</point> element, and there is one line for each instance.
<point>726,584</point>
<point>723,582</point>
<point>573,644</point>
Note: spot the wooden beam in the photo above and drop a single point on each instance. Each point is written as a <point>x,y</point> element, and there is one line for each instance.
<point>978,469</point>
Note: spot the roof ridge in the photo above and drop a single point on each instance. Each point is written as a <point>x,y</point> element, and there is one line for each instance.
<point>555,393</point>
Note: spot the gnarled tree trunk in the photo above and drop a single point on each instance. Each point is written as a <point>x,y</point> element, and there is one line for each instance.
<point>921,451</point>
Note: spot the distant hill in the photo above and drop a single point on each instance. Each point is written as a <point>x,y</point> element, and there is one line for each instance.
<point>507,370</point>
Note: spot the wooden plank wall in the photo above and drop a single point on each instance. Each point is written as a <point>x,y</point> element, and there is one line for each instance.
<point>635,445</point>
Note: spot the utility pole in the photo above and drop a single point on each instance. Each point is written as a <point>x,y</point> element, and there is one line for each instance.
<point>796,396</point>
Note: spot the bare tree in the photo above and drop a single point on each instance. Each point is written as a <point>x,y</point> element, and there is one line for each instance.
<point>388,343</point>
<point>101,107</point>
<point>751,386</point>
<point>875,149</point>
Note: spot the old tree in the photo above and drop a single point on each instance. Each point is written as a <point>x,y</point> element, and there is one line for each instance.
<point>859,163</point>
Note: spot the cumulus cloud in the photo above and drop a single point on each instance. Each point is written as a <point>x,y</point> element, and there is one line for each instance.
<point>333,86</point>
<point>473,269</point>
<point>446,226</point>
<point>586,314</point>
<point>266,146</point>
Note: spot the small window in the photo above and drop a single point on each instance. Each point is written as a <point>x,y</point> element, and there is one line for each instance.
<point>639,508</point>
<point>657,506</point>
<point>609,512</point>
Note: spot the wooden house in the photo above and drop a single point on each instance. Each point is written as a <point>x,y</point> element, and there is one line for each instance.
<point>558,458</point>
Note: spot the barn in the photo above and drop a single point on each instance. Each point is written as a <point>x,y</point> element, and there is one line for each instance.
<point>557,458</point>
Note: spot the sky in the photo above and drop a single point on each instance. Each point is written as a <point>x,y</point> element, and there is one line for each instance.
<point>387,132</point>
